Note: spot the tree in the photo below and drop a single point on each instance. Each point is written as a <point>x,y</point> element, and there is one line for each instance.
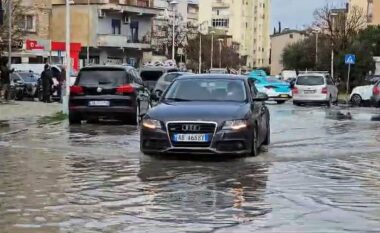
<point>18,20</point>
<point>229,55</point>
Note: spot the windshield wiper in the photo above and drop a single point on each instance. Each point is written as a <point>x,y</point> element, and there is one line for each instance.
<point>176,99</point>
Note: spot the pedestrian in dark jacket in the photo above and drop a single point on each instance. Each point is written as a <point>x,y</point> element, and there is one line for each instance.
<point>47,82</point>
<point>5,78</point>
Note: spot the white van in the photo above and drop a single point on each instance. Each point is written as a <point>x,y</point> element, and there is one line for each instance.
<point>288,75</point>
<point>316,88</point>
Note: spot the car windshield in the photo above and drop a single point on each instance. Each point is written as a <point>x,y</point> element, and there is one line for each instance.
<point>207,89</point>
<point>29,77</point>
<point>101,77</point>
<point>310,80</point>
<point>151,75</point>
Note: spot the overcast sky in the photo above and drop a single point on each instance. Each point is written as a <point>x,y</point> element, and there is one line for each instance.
<point>296,14</point>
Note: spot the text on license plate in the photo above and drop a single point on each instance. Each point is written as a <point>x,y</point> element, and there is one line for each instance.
<point>191,138</point>
<point>284,96</point>
<point>99,103</point>
<point>309,92</point>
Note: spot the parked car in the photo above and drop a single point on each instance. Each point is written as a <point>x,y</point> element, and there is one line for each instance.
<point>207,114</point>
<point>151,74</point>
<point>25,84</point>
<point>361,95</point>
<point>108,91</point>
<point>315,88</point>
<point>166,79</point>
<point>376,94</point>
<point>276,90</point>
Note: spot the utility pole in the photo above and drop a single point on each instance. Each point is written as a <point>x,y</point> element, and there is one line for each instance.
<point>220,52</point>
<point>212,49</point>
<point>68,60</point>
<point>88,36</point>
<point>10,32</point>
<point>200,53</point>
<point>1,13</point>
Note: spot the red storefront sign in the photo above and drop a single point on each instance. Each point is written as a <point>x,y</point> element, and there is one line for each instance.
<point>75,49</point>
<point>33,45</point>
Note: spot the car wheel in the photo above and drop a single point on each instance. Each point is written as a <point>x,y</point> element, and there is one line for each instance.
<point>267,138</point>
<point>281,101</point>
<point>255,142</point>
<point>74,119</point>
<point>356,100</point>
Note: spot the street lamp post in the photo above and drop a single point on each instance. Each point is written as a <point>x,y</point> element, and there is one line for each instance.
<point>200,53</point>
<point>65,101</point>
<point>10,32</point>
<point>173,4</point>
<point>88,36</point>
<point>220,52</point>
<point>333,15</point>
<point>212,49</point>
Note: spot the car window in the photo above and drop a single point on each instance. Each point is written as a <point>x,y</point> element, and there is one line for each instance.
<point>252,88</point>
<point>102,78</point>
<point>151,75</point>
<point>329,81</point>
<point>310,80</point>
<point>15,77</point>
<point>28,77</point>
<point>169,77</point>
<point>207,89</point>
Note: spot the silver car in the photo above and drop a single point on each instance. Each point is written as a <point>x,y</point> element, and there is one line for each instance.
<point>317,88</point>
<point>166,79</point>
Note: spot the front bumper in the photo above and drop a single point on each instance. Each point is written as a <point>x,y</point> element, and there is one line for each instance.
<point>224,142</point>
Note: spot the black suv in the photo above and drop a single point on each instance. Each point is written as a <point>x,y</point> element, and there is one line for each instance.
<point>108,91</point>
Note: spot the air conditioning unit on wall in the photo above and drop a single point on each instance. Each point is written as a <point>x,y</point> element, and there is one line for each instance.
<point>101,13</point>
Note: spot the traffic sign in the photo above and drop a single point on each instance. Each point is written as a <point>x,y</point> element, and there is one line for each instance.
<point>350,59</point>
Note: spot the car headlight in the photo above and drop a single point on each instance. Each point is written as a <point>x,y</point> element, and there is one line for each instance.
<point>152,124</point>
<point>235,125</point>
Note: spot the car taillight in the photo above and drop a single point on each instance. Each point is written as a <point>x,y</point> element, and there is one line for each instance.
<point>325,90</point>
<point>295,90</point>
<point>76,90</point>
<point>376,91</point>
<point>125,89</point>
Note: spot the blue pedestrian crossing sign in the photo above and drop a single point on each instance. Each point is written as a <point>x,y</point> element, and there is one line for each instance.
<point>350,59</point>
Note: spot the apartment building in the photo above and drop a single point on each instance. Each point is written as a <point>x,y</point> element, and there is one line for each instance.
<point>116,31</point>
<point>186,15</point>
<point>371,9</point>
<point>34,24</point>
<point>247,21</point>
<point>279,41</point>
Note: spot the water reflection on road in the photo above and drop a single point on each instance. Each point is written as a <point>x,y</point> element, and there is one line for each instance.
<point>321,174</point>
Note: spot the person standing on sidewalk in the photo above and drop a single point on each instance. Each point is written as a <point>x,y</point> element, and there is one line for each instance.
<point>47,82</point>
<point>5,79</point>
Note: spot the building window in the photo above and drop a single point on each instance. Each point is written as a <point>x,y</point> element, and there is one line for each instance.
<point>221,23</point>
<point>28,23</point>
<point>116,26</point>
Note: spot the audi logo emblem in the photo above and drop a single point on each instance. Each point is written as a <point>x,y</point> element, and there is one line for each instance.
<point>191,128</point>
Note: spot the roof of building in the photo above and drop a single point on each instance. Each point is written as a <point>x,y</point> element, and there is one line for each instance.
<point>288,31</point>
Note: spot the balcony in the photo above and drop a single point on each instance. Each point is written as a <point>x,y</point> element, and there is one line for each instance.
<point>120,41</point>
<point>220,4</point>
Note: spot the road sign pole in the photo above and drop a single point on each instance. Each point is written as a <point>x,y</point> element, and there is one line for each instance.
<point>348,82</point>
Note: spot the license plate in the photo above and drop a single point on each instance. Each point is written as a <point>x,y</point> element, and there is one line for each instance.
<point>191,138</point>
<point>309,92</point>
<point>284,96</point>
<point>99,103</point>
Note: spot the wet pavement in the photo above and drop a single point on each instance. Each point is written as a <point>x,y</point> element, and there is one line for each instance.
<point>320,174</point>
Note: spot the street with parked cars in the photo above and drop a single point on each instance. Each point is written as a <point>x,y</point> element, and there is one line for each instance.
<point>143,148</point>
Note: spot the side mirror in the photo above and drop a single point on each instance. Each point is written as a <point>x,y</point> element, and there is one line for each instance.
<point>155,96</point>
<point>260,97</point>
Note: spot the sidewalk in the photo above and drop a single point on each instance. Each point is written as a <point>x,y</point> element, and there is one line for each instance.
<point>25,109</point>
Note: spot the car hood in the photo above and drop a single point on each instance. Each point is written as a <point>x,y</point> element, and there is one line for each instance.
<point>199,111</point>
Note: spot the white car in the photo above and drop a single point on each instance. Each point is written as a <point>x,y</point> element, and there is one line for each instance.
<point>361,95</point>
<point>317,88</point>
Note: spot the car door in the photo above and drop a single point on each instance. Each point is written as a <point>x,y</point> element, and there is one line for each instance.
<point>259,110</point>
<point>142,95</point>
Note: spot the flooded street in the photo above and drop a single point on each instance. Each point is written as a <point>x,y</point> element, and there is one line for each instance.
<point>320,174</point>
